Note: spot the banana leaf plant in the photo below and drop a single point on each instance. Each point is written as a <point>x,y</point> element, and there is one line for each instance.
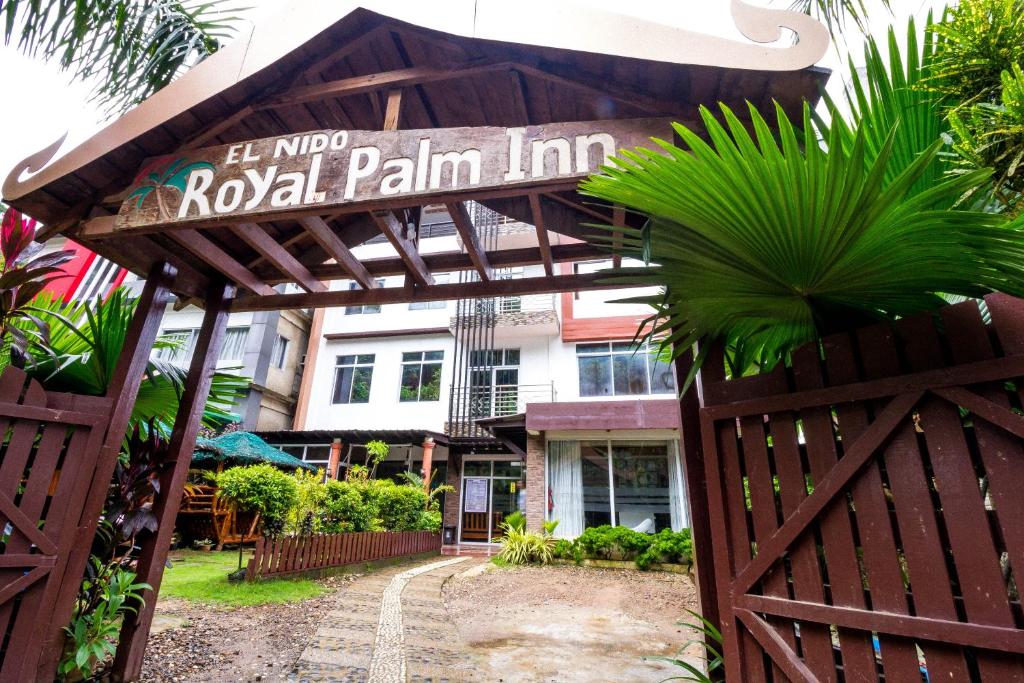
<point>87,338</point>
<point>23,275</point>
<point>762,243</point>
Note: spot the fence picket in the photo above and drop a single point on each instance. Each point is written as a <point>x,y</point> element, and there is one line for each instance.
<point>295,555</point>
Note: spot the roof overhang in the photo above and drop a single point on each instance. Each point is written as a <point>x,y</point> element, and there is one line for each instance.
<point>344,66</point>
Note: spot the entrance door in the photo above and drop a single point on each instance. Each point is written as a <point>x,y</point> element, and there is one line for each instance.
<point>491,491</point>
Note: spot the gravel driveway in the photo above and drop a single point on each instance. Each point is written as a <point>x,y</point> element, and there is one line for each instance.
<point>569,624</point>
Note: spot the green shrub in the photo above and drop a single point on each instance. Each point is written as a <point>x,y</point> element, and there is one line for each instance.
<point>260,488</point>
<point>519,546</point>
<point>621,543</point>
<point>346,509</point>
<point>399,507</point>
<point>309,504</point>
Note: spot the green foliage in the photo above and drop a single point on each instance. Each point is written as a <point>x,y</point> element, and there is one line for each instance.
<point>376,451</point>
<point>346,509</point>
<point>259,488</point>
<point>86,341</point>
<point>835,13</point>
<point>135,47</point>
<point>765,244</point>
<point>519,546</point>
<point>399,507</point>
<point>108,593</point>
<point>889,98</point>
<point>516,520</point>
<point>22,278</point>
<point>978,41</point>
<point>710,641</point>
<point>622,543</point>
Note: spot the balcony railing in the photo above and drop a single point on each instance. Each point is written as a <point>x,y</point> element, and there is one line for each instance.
<point>499,400</point>
<point>529,303</point>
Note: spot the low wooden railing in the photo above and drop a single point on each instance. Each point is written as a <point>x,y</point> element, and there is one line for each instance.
<point>292,555</point>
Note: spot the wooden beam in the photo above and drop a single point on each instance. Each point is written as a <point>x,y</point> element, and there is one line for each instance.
<point>257,238</point>
<point>154,546</point>
<point>470,239</point>
<point>335,56</point>
<point>337,250</point>
<point>393,109</point>
<point>359,85</point>
<point>448,261</point>
<point>219,260</point>
<point>542,235</point>
<point>395,232</point>
<point>438,292</point>
<point>579,207</point>
<point>636,100</point>
<point>287,244</point>
<point>203,136</point>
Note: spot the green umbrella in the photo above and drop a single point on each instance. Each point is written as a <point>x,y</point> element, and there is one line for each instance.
<point>243,448</point>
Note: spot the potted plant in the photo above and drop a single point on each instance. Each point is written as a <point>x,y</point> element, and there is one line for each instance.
<point>203,544</point>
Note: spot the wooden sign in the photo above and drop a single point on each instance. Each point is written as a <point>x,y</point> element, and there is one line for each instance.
<point>333,168</point>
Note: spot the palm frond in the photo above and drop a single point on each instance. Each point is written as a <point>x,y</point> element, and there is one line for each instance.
<point>762,244</point>
<point>135,47</point>
<point>836,13</point>
<point>86,340</point>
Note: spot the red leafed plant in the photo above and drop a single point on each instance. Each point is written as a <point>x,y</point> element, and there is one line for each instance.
<point>22,276</point>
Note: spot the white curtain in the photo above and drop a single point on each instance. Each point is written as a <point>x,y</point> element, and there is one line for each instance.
<point>565,481</point>
<point>677,489</point>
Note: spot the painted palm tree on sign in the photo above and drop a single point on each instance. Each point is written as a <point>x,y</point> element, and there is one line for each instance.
<point>161,174</point>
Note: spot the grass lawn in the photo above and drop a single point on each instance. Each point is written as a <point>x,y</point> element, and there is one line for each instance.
<point>203,577</point>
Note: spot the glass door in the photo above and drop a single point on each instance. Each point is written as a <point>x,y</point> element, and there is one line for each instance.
<point>491,491</point>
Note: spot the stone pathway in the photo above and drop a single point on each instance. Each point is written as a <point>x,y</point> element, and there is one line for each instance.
<point>390,626</point>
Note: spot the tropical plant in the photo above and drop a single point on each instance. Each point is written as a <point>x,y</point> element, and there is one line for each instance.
<point>261,488</point>
<point>109,592</point>
<point>763,244</point>
<point>136,484</point>
<point>344,509</point>
<point>376,451</point>
<point>519,546</point>
<point>434,491</point>
<point>836,13</point>
<point>979,40</point>
<point>710,642</point>
<point>23,276</point>
<point>87,337</point>
<point>135,47</point>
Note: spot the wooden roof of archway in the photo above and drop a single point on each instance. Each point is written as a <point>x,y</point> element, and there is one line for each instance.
<point>340,66</point>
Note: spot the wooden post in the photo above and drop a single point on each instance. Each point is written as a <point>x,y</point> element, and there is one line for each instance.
<point>692,452</point>
<point>153,554</point>
<point>123,388</point>
<point>334,460</point>
<point>428,460</point>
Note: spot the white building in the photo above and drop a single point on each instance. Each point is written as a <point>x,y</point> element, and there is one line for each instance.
<point>579,426</point>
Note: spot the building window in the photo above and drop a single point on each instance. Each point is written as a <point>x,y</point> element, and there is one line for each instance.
<point>352,377</point>
<point>441,279</point>
<point>635,484</point>
<point>622,369</point>
<point>234,344</point>
<point>366,308</point>
<point>317,454</point>
<point>421,376</point>
<point>280,352</point>
<point>494,383</point>
<point>180,344</point>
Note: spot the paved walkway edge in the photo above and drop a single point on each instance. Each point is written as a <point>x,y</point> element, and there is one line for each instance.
<point>387,664</point>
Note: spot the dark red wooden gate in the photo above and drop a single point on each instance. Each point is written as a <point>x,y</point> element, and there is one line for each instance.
<point>49,444</point>
<point>867,504</point>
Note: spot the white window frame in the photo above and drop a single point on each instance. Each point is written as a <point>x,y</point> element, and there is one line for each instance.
<point>421,362</point>
<point>610,353</point>
<point>355,364</point>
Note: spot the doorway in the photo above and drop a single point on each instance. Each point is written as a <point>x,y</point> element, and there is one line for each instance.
<point>491,491</point>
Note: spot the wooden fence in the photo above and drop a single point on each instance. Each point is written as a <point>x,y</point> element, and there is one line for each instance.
<point>290,555</point>
<point>49,445</point>
<point>866,504</point>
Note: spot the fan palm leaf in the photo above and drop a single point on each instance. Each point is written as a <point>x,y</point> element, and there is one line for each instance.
<point>763,244</point>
